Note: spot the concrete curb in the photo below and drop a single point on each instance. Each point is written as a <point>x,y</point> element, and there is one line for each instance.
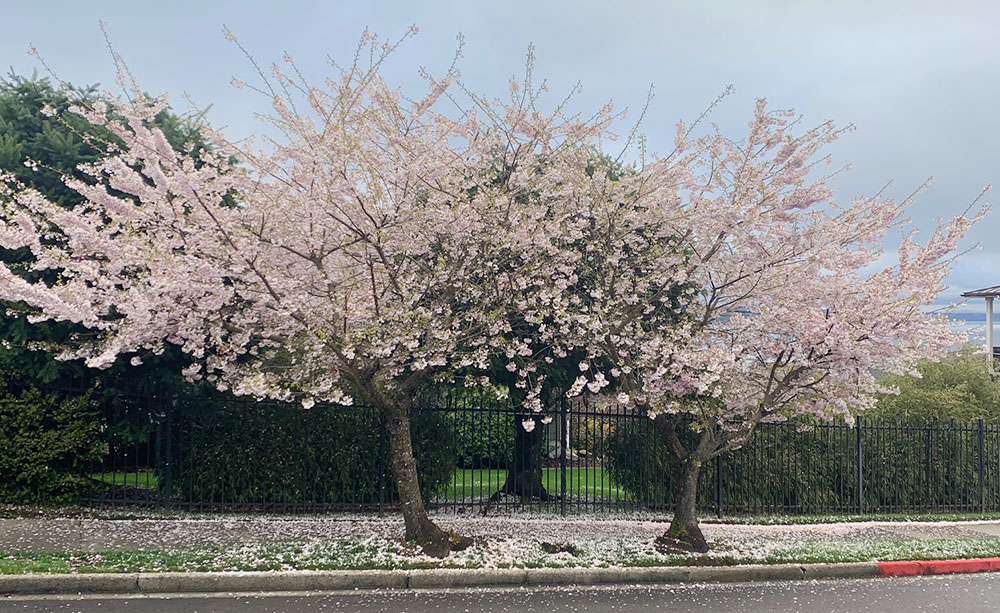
<point>159,583</point>
<point>938,567</point>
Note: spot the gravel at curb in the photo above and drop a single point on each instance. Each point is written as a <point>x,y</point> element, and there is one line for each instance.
<point>155,583</point>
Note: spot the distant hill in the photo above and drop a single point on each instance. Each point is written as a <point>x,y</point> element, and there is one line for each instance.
<point>968,317</point>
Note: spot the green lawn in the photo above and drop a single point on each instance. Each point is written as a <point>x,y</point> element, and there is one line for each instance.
<point>143,479</point>
<point>594,484</point>
<point>581,483</point>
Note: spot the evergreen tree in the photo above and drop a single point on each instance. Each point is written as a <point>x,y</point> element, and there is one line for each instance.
<point>38,147</point>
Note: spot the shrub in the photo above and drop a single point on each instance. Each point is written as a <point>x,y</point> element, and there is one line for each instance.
<point>907,465</point>
<point>590,433</point>
<point>480,420</point>
<point>235,451</point>
<point>958,387</point>
<point>482,439</point>
<point>637,460</point>
<point>779,468</point>
<point>47,443</point>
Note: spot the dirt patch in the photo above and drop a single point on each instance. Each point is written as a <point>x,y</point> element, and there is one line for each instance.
<point>672,546</point>
<point>560,548</point>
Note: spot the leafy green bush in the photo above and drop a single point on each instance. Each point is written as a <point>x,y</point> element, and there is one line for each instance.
<point>958,387</point>
<point>778,470</point>
<point>907,464</point>
<point>480,420</point>
<point>47,443</point>
<point>591,433</point>
<point>234,451</point>
<point>483,439</point>
<point>786,469</point>
<point>638,461</point>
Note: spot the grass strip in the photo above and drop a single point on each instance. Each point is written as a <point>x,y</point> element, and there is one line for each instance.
<point>835,518</point>
<point>389,554</point>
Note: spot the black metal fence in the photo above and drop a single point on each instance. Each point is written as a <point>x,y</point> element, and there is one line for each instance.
<point>204,453</point>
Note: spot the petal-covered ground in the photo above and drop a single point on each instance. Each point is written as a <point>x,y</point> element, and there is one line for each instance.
<point>83,543</point>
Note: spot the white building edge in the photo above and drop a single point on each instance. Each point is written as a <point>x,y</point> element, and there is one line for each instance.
<point>992,351</point>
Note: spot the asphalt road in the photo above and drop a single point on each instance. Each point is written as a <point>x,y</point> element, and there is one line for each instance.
<point>953,593</point>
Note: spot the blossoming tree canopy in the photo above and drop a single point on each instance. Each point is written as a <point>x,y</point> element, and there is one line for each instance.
<point>722,286</point>
<point>369,248</point>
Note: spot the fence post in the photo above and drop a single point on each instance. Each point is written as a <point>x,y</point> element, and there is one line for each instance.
<point>861,470</point>
<point>381,463</point>
<point>168,465</point>
<point>927,466</point>
<point>563,444</point>
<point>982,490</point>
<point>718,485</point>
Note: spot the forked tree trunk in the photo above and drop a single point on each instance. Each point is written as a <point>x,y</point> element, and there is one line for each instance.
<point>524,474</point>
<point>419,528</point>
<point>684,529</point>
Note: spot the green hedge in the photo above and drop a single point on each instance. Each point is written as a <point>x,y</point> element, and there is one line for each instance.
<point>779,470</point>
<point>482,439</point>
<point>907,464</point>
<point>637,460</point>
<point>47,444</point>
<point>242,452</point>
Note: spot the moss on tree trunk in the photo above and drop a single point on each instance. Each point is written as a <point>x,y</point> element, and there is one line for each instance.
<point>419,528</point>
<point>684,530</point>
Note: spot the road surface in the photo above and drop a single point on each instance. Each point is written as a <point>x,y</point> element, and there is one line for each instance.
<point>953,593</point>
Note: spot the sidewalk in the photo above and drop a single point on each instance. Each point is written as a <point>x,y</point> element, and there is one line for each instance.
<point>92,535</point>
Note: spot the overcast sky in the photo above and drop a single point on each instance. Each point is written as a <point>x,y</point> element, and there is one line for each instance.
<point>920,80</point>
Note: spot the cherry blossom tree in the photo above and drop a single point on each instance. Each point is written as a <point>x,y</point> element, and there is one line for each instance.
<point>722,286</point>
<point>376,243</point>
<point>379,243</point>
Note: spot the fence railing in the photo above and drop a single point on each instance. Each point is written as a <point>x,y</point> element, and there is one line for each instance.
<point>206,453</point>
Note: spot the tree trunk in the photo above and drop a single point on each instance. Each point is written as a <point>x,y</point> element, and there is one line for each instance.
<point>684,530</point>
<point>524,474</point>
<point>419,528</point>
